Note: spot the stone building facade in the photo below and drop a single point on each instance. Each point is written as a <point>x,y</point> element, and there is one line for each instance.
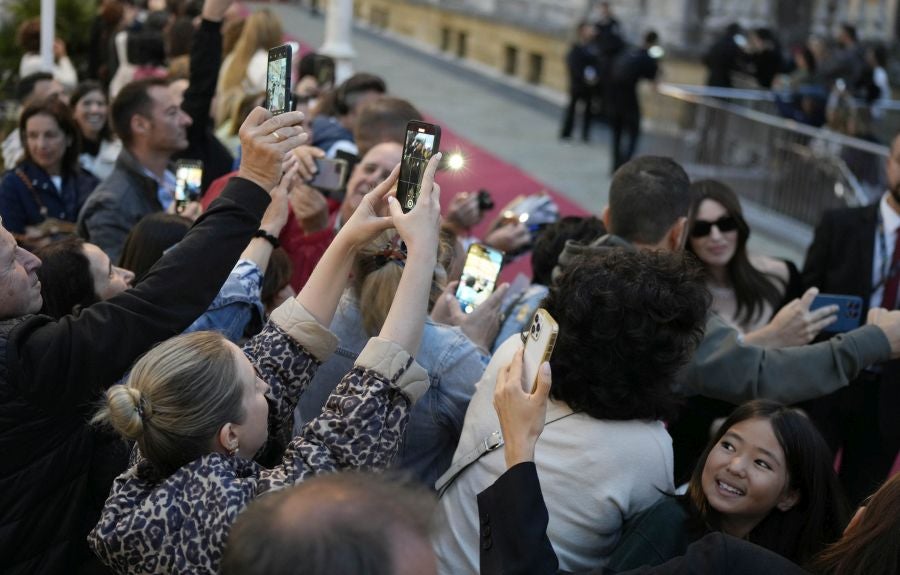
<point>528,39</point>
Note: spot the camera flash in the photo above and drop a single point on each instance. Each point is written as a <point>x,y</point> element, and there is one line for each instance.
<point>456,161</point>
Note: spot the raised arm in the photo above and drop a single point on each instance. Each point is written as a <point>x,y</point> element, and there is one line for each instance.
<point>362,423</point>
<point>92,351</point>
<point>725,368</point>
<point>206,58</point>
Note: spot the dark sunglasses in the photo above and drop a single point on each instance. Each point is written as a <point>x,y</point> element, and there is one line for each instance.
<point>724,224</point>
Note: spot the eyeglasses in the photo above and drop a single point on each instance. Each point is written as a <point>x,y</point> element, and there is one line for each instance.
<point>724,224</point>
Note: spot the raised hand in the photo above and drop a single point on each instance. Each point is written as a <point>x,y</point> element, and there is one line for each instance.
<point>521,413</point>
<point>265,139</point>
<point>420,227</point>
<point>795,324</point>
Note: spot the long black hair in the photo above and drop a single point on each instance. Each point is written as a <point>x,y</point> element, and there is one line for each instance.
<point>819,516</point>
<point>752,288</point>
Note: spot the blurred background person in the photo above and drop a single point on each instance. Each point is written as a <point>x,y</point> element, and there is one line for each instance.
<point>42,196</point>
<point>99,146</point>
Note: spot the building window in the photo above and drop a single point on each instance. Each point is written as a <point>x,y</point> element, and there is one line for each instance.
<point>511,60</point>
<point>445,39</point>
<point>462,39</point>
<point>535,68</point>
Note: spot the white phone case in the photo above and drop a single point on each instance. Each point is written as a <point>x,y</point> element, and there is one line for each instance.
<point>539,341</point>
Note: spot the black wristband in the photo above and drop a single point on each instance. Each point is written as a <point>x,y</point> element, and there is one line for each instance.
<point>268,237</point>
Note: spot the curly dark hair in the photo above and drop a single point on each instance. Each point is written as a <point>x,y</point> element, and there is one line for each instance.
<point>628,321</point>
<point>550,242</point>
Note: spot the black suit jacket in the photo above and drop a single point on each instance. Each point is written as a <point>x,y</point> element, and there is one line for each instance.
<point>514,538</point>
<point>839,261</point>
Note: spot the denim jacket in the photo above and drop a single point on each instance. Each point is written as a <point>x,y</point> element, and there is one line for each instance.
<point>454,366</point>
<point>236,305</point>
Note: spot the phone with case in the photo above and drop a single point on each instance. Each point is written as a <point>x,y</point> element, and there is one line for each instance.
<point>539,341</point>
<point>331,175</point>
<point>849,314</point>
<point>278,80</point>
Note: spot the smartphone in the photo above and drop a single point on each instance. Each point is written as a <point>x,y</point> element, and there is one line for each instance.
<point>539,341</point>
<point>849,315</point>
<point>188,175</point>
<point>331,175</point>
<point>422,141</point>
<point>479,276</point>
<point>278,80</point>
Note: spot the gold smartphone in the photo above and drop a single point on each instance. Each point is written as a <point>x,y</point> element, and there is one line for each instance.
<point>539,341</point>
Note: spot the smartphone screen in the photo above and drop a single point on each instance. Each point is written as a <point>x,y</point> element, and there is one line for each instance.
<point>479,276</point>
<point>331,175</point>
<point>422,142</point>
<point>188,175</point>
<point>278,80</point>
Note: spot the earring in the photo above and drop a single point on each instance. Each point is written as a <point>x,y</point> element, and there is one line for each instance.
<point>233,449</point>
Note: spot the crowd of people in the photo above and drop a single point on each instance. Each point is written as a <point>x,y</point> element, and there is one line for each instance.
<point>270,379</point>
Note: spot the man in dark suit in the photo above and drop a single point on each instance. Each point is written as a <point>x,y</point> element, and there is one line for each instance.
<point>855,252</point>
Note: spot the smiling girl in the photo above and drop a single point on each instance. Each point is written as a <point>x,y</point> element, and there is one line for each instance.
<point>766,476</point>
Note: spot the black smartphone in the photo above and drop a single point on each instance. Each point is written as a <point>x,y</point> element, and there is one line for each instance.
<point>188,175</point>
<point>479,276</point>
<point>278,80</point>
<point>331,175</point>
<point>422,141</point>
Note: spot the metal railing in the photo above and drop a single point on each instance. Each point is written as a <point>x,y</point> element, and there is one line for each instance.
<point>789,169</point>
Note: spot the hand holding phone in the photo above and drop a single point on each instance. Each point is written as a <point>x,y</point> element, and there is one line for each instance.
<point>539,342</point>
<point>521,413</point>
<point>423,141</point>
<point>479,276</point>
<point>849,313</point>
<point>278,80</point>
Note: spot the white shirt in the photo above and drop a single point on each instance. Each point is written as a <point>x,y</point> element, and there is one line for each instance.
<point>882,258</point>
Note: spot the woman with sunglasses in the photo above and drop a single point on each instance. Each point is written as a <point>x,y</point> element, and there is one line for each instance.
<point>747,289</point>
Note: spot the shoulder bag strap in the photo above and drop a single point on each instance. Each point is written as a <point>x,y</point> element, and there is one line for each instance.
<point>490,443</point>
<point>37,199</point>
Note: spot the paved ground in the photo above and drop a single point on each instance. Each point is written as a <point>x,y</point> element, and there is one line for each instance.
<point>512,121</point>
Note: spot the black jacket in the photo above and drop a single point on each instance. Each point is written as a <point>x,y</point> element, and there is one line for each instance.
<point>206,58</point>
<point>55,473</point>
<point>514,538</point>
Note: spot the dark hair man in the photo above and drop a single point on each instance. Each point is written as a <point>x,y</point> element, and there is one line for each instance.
<point>347,523</point>
<point>148,118</point>
<point>648,207</point>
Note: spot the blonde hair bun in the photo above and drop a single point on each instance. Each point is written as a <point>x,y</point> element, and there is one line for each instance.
<point>126,411</point>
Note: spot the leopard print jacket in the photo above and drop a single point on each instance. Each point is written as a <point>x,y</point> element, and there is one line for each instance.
<point>180,523</point>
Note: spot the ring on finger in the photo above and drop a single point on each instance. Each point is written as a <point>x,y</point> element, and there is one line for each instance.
<point>277,136</point>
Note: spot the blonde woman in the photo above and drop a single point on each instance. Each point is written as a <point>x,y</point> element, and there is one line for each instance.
<point>244,69</point>
<point>198,406</point>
